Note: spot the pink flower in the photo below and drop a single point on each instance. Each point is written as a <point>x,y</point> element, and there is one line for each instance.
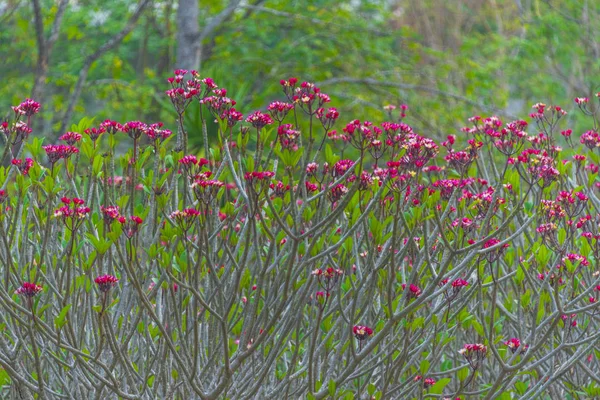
<point>414,290</point>
<point>28,289</point>
<point>514,345</point>
<point>494,254</point>
<point>279,110</point>
<point>29,107</point>
<point>288,137</point>
<point>259,120</point>
<point>94,133</point>
<point>258,176</point>
<point>362,332</point>
<point>57,152</point>
<point>458,283</point>
<point>341,167</point>
<point>131,225</point>
<point>106,282</point>
<point>71,138</point>
<point>134,129</point>
<point>428,382</point>
<point>474,353</point>
<point>110,213</point>
<point>23,165</point>
<point>155,131</point>
<point>111,127</point>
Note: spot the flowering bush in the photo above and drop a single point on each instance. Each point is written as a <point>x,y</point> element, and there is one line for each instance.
<point>298,261</point>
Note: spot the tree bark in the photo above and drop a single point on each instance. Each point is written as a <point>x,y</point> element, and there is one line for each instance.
<point>188,32</point>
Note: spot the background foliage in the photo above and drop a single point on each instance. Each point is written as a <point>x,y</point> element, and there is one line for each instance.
<point>446,60</point>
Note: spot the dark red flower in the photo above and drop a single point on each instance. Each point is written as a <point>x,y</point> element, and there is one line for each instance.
<point>106,282</point>
<point>28,289</point>
<point>362,332</point>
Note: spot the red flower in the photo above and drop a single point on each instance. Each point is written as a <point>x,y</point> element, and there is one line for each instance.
<point>279,110</point>
<point>185,218</point>
<point>131,225</point>
<point>415,291</point>
<point>23,165</point>
<point>428,382</point>
<point>134,129</point>
<point>258,176</point>
<point>111,127</point>
<point>57,152</point>
<point>28,108</point>
<point>494,254</point>
<point>71,138</point>
<point>106,282</point>
<point>362,332</point>
<point>474,353</point>
<point>110,213</point>
<point>154,132</point>
<point>514,345</point>
<point>28,289</point>
<point>259,120</point>
<point>94,133</point>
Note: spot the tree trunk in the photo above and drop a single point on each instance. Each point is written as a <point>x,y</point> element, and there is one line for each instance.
<point>188,31</point>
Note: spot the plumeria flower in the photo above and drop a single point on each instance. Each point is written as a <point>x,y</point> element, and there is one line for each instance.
<point>71,138</point>
<point>474,353</point>
<point>362,332</point>
<point>106,282</point>
<point>514,345</point>
<point>23,165</point>
<point>185,218</point>
<point>110,213</point>
<point>259,120</point>
<point>28,289</point>
<point>414,290</point>
<point>131,225</point>
<point>72,212</point>
<point>57,152</point>
<point>28,108</point>
<point>428,382</point>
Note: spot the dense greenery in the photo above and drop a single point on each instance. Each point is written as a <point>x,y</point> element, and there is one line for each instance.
<point>448,61</point>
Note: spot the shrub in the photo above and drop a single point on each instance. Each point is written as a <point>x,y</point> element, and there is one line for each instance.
<point>297,261</point>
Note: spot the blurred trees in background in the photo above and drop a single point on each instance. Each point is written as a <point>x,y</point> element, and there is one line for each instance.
<point>446,60</point>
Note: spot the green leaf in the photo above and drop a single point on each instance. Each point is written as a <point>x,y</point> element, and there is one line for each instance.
<point>462,374</point>
<point>424,367</point>
<point>61,319</point>
<point>331,388</point>
<point>439,386</point>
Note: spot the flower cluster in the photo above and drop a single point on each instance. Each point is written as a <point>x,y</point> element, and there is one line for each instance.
<point>328,277</point>
<point>413,290</point>
<point>71,138</point>
<point>27,108</point>
<point>259,120</point>
<point>185,218</point>
<point>106,282</point>
<point>495,251</point>
<point>28,289</point>
<point>288,137</point>
<point>279,110</point>
<point>514,345</point>
<point>23,165</point>
<point>362,332</point>
<point>56,152</point>
<point>131,225</point>
<point>474,354</point>
<point>72,212</point>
